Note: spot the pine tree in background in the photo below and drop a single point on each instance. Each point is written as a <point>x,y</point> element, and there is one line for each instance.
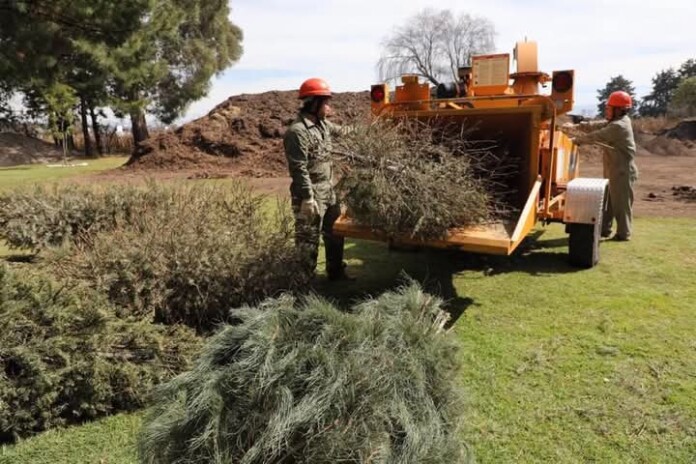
<point>168,62</point>
<point>616,83</point>
<point>664,84</point>
<point>688,69</point>
<point>135,56</point>
<point>684,100</point>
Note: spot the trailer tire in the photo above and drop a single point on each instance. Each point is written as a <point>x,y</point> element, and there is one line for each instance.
<point>583,244</point>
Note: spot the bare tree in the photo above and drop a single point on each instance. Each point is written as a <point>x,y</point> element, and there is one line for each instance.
<point>434,44</point>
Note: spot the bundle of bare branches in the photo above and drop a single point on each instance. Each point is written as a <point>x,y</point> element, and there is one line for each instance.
<point>417,179</point>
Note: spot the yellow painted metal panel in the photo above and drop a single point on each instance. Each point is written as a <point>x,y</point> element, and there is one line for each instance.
<point>490,238</point>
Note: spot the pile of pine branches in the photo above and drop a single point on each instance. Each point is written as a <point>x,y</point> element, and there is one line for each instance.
<point>66,358</point>
<point>311,384</point>
<point>419,180</point>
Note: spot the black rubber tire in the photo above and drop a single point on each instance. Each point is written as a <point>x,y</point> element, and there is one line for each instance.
<point>583,244</point>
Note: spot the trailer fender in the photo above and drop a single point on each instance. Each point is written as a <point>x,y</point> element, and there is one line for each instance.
<point>585,199</point>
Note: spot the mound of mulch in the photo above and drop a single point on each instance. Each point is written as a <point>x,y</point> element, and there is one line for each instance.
<point>17,149</point>
<point>245,133</point>
<point>685,130</point>
<point>678,140</point>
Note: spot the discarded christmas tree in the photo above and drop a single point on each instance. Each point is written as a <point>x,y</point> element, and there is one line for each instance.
<point>65,358</point>
<point>311,384</point>
<point>418,180</point>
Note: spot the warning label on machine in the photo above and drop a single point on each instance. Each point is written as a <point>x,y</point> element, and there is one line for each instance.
<point>491,70</point>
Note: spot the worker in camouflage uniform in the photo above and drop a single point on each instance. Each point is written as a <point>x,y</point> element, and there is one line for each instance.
<point>308,150</point>
<point>619,163</point>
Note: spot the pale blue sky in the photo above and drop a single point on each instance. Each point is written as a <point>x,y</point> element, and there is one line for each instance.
<point>286,41</point>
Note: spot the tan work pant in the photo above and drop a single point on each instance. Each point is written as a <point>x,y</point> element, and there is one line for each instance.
<point>620,204</point>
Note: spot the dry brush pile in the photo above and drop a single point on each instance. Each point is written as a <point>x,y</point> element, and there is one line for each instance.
<point>175,254</point>
<point>42,217</point>
<point>419,180</point>
<point>199,252</point>
<point>290,381</point>
<point>87,341</point>
<point>311,384</point>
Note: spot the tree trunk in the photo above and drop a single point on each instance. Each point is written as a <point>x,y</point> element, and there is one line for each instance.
<point>96,129</point>
<point>139,127</point>
<point>89,151</point>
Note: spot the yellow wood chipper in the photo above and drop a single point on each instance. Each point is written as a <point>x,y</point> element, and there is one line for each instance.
<point>494,104</point>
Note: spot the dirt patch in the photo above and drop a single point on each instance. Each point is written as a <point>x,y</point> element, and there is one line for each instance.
<point>244,133</point>
<point>684,192</point>
<point>653,192</point>
<point>18,149</point>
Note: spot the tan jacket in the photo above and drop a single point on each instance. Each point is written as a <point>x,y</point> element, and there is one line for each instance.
<point>620,147</point>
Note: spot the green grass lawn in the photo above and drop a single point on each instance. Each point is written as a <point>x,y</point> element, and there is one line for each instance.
<point>37,173</point>
<point>560,365</point>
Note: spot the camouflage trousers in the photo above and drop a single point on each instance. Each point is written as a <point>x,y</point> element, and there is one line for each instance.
<point>308,230</point>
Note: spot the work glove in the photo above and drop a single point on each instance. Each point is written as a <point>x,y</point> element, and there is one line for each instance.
<point>309,208</point>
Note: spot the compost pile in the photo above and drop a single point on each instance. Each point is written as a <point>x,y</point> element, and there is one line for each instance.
<point>311,384</point>
<point>419,180</point>
<point>243,134</point>
<point>18,149</point>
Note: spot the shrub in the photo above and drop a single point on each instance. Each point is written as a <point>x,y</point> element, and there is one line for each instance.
<point>66,358</point>
<point>41,217</point>
<point>684,99</point>
<point>315,385</point>
<point>190,258</point>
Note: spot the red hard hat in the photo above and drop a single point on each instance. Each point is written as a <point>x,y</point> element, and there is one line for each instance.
<point>620,99</point>
<point>315,87</point>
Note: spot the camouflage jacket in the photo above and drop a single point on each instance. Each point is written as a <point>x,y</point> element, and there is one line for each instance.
<point>308,151</point>
<point>619,145</point>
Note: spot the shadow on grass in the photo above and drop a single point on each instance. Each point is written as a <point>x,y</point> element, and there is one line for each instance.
<point>19,258</point>
<point>379,268</point>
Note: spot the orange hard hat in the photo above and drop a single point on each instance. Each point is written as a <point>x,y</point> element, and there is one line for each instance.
<point>620,99</point>
<point>315,87</point>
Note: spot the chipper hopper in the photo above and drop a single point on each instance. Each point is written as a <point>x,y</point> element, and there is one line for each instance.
<point>509,109</point>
